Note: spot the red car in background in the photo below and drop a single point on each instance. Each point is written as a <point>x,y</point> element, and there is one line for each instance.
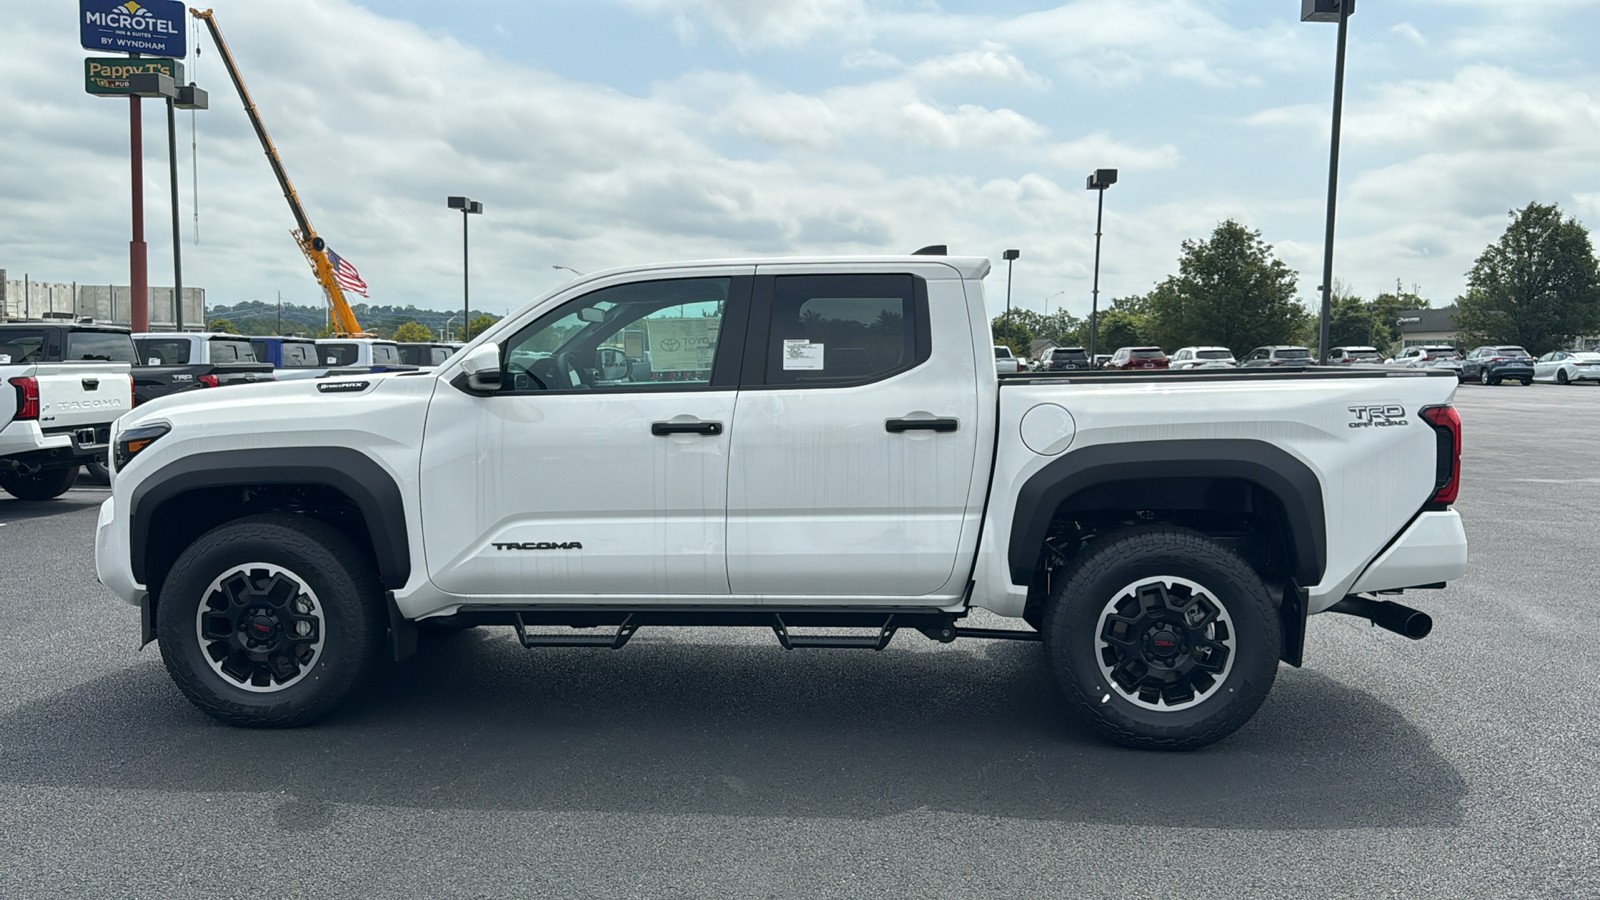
<point>1130,359</point>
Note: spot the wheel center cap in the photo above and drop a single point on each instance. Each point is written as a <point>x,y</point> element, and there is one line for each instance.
<point>1164,643</point>
<point>260,627</point>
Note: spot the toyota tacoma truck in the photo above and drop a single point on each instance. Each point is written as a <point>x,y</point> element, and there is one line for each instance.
<point>61,385</point>
<point>819,447</point>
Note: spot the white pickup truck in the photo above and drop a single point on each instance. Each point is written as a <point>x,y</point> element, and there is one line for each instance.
<point>61,385</point>
<point>789,444</point>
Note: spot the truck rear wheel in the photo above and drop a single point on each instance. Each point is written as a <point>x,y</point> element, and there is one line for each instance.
<point>45,484</point>
<point>1163,639</point>
<point>269,620</point>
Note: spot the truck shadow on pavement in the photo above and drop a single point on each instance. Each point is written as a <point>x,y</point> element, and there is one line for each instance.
<point>671,727</point>
<point>14,510</point>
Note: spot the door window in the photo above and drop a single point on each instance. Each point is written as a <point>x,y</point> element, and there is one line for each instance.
<point>837,330</point>
<point>651,335</point>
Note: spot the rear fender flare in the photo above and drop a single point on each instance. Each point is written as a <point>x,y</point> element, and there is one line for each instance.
<point>1282,475</point>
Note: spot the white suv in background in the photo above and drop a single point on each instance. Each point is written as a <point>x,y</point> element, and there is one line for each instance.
<point>1202,358</point>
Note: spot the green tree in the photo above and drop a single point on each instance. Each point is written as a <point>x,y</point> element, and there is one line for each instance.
<point>1388,308</point>
<point>412,331</point>
<point>223,326</point>
<point>1118,328</point>
<point>1230,291</point>
<point>480,325</point>
<point>1538,286</point>
<point>1014,333</point>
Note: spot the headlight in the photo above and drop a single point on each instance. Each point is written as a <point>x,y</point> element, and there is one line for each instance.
<point>131,442</point>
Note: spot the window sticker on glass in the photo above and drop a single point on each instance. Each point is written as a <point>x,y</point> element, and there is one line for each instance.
<point>4,358</point>
<point>802,354</point>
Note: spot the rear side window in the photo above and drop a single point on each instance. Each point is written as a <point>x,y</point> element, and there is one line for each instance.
<point>299,356</point>
<point>158,352</point>
<point>385,354</point>
<point>843,329</point>
<point>440,354</point>
<point>340,354</point>
<point>230,351</point>
<point>19,346</point>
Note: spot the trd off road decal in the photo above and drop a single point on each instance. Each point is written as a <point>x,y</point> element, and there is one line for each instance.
<point>1378,416</point>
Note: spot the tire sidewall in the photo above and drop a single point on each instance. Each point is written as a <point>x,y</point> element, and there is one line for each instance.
<point>347,622</point>
<point>46,484</point>
<point>1074,638</point>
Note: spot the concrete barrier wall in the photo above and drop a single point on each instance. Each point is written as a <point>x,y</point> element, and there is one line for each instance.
<point>24,298</point>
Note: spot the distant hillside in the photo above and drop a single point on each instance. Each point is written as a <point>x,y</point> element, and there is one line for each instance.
<point>257,317</point>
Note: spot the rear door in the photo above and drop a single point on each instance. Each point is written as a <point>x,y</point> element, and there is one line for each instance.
<point>578,478</point>
<point>853,455</point>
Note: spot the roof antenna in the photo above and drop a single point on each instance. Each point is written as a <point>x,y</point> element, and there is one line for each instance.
<point>933,250</point>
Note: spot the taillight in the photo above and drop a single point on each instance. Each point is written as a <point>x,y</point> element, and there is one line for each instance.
<point>1447,427</point>
<point>27,397</point>
<point>133,399</point>
<point>208,380</point>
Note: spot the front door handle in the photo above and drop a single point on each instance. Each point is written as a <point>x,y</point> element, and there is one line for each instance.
<point>897,426</point>
<point>662,429</point>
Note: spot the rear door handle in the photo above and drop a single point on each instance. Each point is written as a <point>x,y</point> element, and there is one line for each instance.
<point>662,429</point>
<point>897,426</point>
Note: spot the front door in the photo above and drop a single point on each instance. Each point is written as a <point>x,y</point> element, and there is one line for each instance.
<point>600,468</point>
<point>853,458</point>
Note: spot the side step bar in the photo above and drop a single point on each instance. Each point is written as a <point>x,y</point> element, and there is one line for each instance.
<point>621,624</point>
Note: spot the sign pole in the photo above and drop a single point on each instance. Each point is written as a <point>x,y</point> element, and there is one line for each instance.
<point>138,274</point>
<point>177,240</point>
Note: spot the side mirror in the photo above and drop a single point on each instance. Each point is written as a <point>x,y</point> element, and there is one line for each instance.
<point>482,369</point>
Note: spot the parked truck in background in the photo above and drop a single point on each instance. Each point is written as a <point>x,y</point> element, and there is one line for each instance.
<point>830,448</point>
<point>61,386</point>
<point>175,362</point>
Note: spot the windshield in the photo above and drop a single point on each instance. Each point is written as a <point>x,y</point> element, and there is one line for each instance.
<point>1213,354</point>
<point>100,346</point>
<point>231,350</point>
<point>1293,353</point>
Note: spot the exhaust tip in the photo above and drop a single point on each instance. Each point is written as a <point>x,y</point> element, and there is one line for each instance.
<point>1417,626</point>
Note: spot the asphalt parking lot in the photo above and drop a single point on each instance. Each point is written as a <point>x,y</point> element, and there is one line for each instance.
<point>714,764</point>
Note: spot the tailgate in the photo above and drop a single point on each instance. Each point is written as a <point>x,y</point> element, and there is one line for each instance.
<point>81,394</point>
<point>244,373</point>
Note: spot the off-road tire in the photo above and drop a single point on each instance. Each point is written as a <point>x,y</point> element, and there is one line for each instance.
<point>350,599</point>
<point>45,484</point>
<point>1073,615</point>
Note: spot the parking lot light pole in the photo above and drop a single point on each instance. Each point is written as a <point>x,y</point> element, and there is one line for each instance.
<point>467,207</point>
<point>178,96</point>
<point>1330,11</point>
<point>1099,181</point>
<point>1010,257</point>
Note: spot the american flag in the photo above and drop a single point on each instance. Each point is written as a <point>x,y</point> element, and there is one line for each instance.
<point>346,275</point>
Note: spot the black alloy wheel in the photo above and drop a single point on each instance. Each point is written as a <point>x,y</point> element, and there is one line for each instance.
<point>1561,377</point>
<point>1161,638</point>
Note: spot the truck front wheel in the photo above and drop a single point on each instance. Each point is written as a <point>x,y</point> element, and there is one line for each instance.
<point>1162,638</point>
<point>45,484</point>
<point>269,620</point>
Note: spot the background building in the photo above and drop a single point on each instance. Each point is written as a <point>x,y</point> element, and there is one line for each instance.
<point>23,298</point>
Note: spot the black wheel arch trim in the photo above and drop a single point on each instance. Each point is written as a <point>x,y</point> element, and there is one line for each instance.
<point>1274,470</point>
<point>351,472</point>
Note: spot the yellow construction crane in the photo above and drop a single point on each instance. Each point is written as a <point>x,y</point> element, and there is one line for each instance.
<point>315,249</point>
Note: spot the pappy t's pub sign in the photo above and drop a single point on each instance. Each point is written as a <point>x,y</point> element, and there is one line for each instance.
<point>152,27</point>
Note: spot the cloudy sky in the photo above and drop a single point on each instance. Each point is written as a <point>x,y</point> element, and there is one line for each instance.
<point>610,132</point>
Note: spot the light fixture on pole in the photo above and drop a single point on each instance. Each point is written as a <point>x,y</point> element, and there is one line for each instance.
<point>467,207</point>
<point>1047,302</point>
<point>1330,11</point>
<point>178,96</point>
<point>1010,257</point>
<point>1099,181</point>
<point>569,269</point>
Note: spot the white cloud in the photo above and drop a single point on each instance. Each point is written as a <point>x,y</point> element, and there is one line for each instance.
<point>764,23</point>
<point>1410,33</point>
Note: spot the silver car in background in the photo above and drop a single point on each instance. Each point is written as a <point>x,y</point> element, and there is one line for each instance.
<point>1567,366</point>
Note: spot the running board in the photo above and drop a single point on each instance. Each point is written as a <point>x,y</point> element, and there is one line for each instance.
<point>615,641</point>
<point>833,641</point>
